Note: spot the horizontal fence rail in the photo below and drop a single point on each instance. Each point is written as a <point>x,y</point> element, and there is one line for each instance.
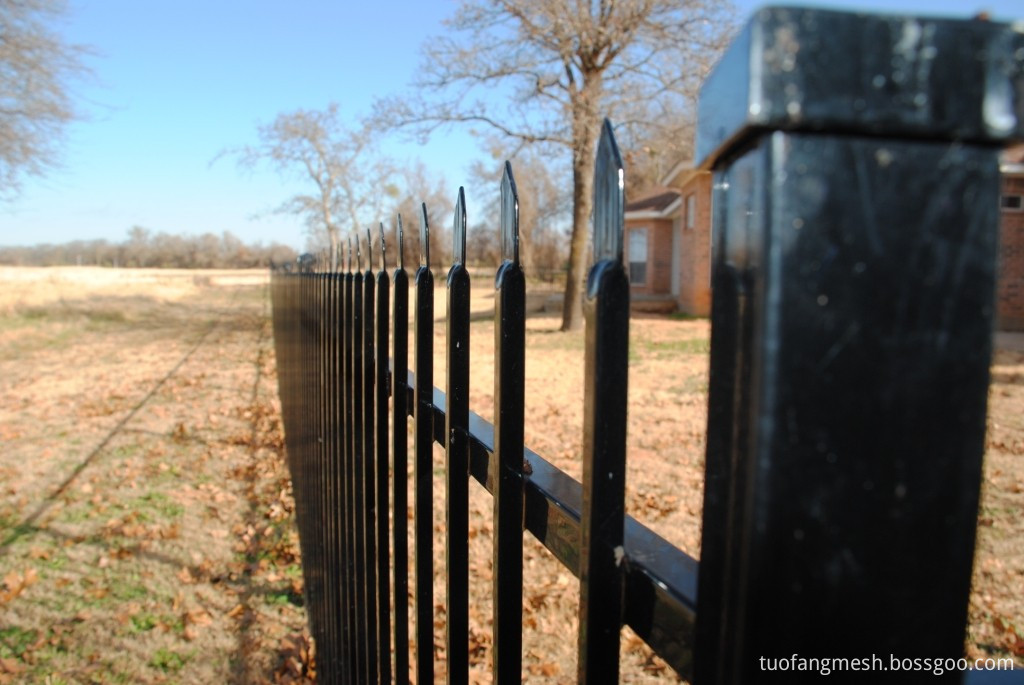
<point>854,251</point>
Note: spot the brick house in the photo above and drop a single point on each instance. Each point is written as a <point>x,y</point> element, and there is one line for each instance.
<point>668,242</point>
<point>1010,294</point>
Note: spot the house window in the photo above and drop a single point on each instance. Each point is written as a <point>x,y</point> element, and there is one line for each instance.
<point>691,211</point>
<point>1012,203</point>
<point>638,256</point>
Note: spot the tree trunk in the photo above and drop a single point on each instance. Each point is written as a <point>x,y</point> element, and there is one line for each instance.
<point>586,124</point>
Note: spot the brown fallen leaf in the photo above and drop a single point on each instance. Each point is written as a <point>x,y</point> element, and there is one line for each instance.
<point>11,666</point>
<point>198,617</point>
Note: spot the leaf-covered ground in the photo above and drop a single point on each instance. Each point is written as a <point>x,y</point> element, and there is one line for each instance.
<point>146,519</point>
<point>146,526</point>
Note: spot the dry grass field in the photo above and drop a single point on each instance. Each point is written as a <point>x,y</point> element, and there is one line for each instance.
<point>146,520</point>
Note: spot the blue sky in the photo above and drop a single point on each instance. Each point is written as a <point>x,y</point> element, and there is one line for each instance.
<point>177,82</point>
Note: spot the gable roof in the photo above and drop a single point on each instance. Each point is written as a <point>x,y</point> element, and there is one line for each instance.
<point>658,202</point>
<point>683,166</point>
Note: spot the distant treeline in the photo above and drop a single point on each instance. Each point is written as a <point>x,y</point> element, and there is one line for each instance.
<point>146,249</point>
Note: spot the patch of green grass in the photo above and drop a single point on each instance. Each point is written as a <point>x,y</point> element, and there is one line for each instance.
<point>283,597</point>
<point>9,518</point>
<point>683,316</point>
<point>160,503</point>
<point>171,475</point>
<point>675,347</point>
<point>15,641</point>
<point>37,313</point>
<point>56,561</point>
<point>143,623</point>
<point>127,592</point>
<point>77,513</point>
<point>106,316</point>
<point>168,660</point>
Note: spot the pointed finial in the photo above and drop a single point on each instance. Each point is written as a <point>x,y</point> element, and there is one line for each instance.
<point>509,216</point>
<point>383,247</point>
<point>401,244</point>
<point>424,236</point>
<point>348,264</point>
<point>609,192</point>
<point>459,229</point>
<point>369,249</point>
<point>359,255</point>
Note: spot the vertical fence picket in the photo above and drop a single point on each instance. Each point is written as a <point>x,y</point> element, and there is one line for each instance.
<point>423,469</point>
<point>457,453</point>
<point>382,388</point>
<point>351,559</point>
<point>338,460</point>
<point>330,513</point>
<point>509,361</point>
<point>368,482</point>
<point>400,459</point>
<point>308,446</point>
<point>322,447</point>
<point>606,307</point>
<point>314,442</point>
<point>358,470</point>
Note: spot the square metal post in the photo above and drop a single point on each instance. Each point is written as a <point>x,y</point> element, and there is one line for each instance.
<point>854,249</point>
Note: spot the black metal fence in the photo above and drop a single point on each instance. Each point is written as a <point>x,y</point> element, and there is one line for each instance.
<point>855,231</point>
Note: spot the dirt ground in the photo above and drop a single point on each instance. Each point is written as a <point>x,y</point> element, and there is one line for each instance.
<point>146,520</point>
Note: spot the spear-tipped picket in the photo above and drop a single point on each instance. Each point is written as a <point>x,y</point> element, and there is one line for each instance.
<point>606,308</point>
<point>509,358</point>
<point>459,229</point>
<point>400,459</point>
<point>609,197</point>
<point>423,465</point>
<point>401,244</point>
<point>509,216</point>
<point>382,394</point>
<point>424,237</point>
<point>457,452</point>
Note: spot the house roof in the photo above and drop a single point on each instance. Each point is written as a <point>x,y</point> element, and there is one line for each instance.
<point>683,168</point>
<point>654,203</point>
<point>656,199</point>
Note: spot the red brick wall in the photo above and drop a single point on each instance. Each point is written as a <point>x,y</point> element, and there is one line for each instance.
<point>695,248</point>
<point>659,256</point>
<point>1010,292</point>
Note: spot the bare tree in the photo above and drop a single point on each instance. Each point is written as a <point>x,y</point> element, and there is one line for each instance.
<point>560,66</point>
<point>544,210</point>
<point>419,187</point>
<point>37,69</point>
<point>652,151</point>
<point>350,180</point>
